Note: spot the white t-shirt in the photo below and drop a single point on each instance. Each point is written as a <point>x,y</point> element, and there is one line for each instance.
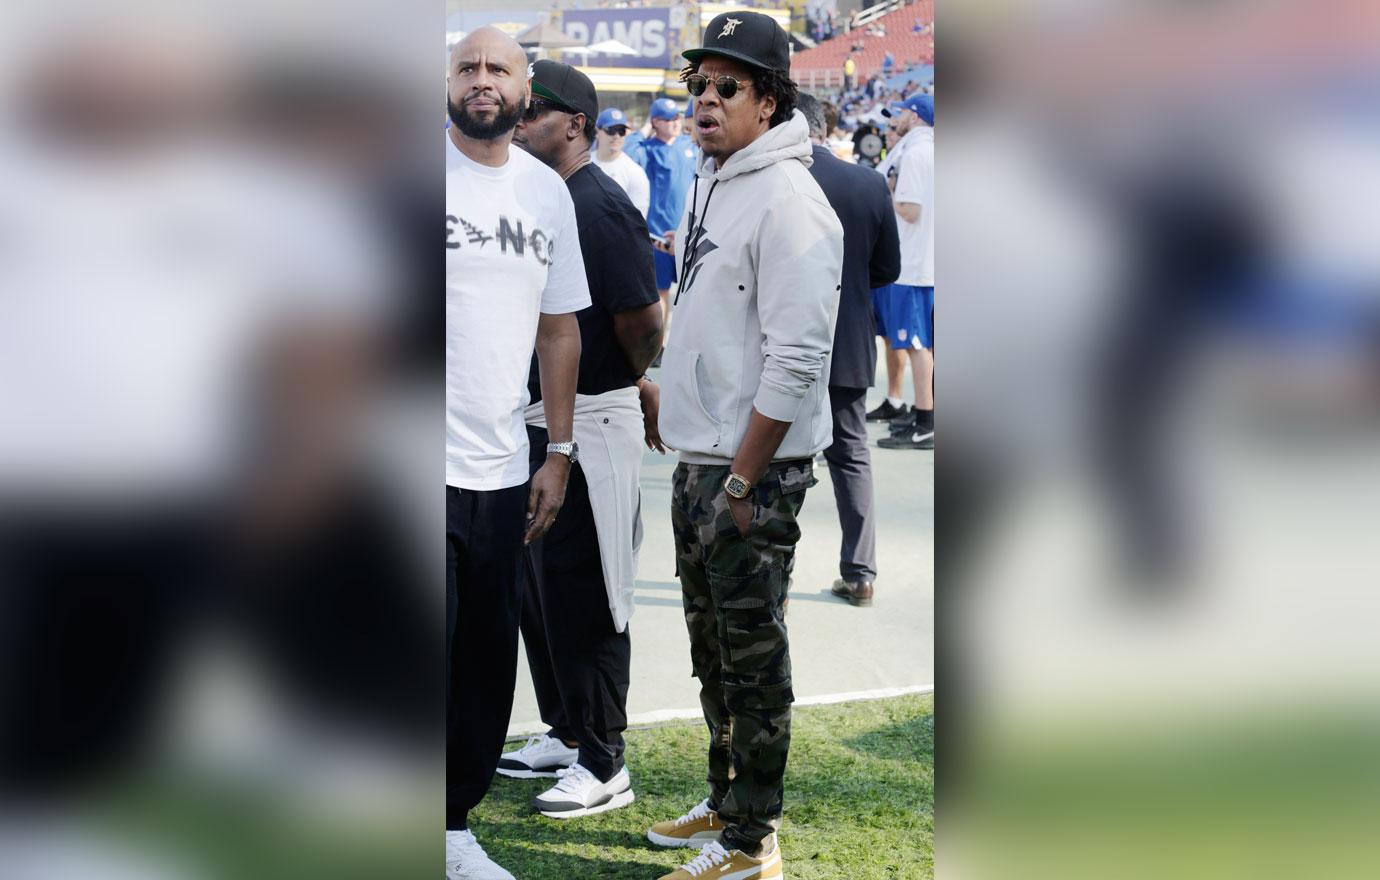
<point>915,183</point>
<point>629,175</point>
<point>512,254</point>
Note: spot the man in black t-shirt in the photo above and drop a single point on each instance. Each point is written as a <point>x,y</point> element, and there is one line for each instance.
<point>579,578</point>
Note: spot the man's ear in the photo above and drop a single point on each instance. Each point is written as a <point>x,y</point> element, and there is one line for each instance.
<point>768,108</point>
<point>576,126</point>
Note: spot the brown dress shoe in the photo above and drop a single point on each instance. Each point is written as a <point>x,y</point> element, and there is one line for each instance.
<point>858,595</point>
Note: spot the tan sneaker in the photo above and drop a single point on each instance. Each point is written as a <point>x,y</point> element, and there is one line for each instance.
<point>695,828</point>
<point>720,864</point>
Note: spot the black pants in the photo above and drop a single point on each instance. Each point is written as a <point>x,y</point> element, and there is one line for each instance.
<point>483,603</point>
<point>579,662</point>
<point>850,467</point>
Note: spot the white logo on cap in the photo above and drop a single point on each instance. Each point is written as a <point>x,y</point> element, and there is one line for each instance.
<point>729,25</point>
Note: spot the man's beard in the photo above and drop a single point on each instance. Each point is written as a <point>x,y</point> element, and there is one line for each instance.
<point>504,121</point>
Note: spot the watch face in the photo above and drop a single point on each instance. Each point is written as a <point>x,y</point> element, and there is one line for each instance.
<point>569,449</point>
<point>870,145</point>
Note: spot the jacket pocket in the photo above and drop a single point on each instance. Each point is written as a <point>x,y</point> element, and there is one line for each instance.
<point>689,423</point>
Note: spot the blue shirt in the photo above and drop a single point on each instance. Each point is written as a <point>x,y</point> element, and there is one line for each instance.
<point>670,171</point>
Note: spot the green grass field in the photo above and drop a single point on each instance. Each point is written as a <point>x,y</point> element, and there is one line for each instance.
<point>859,802</point>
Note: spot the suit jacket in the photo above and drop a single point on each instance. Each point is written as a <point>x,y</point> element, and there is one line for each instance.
<point>871,258</point>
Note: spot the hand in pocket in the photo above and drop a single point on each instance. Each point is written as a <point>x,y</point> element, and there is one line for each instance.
<point>741,511</point>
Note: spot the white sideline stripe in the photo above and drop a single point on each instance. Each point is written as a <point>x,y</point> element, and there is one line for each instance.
<point>660,716</point>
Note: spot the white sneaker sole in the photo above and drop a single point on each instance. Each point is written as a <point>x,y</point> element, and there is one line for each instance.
<point>526,774</point>
<point>695,842</point>
<point>622,799</point>
<point>453,871</point>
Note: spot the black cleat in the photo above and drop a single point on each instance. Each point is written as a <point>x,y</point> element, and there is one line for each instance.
<point>915,439</point>
<point>886,412</point>
<point>901,424</point>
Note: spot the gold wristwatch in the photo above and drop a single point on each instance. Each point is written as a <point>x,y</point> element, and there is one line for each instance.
<point>737,487</point>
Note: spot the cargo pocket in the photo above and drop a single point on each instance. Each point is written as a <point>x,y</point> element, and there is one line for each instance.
<point>777,500</point>
<point>753,641</point>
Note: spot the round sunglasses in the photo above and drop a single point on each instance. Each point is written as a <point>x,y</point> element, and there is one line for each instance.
<point>725,85</point>
<point>538,106</point>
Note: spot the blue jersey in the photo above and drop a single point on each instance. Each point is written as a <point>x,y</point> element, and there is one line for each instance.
<point>670,171</point>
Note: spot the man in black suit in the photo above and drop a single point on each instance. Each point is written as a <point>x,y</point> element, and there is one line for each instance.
<point>871,258</point>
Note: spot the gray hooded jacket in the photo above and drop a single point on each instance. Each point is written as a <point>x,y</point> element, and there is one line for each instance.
<point>753,320</point>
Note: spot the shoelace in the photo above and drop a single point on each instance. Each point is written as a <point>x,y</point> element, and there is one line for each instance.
<point>709,857</point>
<point>538,744</point>
<point>699,812</point>
<point>573,778</point>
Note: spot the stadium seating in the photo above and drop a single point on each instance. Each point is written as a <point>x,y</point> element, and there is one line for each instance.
<point>822,66</point>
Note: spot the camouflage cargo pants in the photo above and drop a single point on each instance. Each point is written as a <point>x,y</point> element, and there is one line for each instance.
<point>734,591</point>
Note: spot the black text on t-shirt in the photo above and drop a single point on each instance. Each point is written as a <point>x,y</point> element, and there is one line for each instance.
<point>509,236</point>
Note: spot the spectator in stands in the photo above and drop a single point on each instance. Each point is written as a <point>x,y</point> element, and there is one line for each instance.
<point>850,69</point>
<point>888,62</point>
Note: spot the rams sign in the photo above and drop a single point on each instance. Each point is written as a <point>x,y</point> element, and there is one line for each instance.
<point>646,30</point>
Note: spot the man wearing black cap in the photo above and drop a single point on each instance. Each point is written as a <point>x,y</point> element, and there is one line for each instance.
<point>746,403</point>
<point>578,591</point>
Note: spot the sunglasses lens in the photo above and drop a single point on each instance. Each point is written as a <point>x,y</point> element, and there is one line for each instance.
<point>695,84</point>
<point>727,86</point>
<point>616,131</point>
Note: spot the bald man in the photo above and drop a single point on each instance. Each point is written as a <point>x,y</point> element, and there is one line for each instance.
<point>514,281</point>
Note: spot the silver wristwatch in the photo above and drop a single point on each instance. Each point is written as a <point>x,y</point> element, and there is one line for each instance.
<point>570,449</point>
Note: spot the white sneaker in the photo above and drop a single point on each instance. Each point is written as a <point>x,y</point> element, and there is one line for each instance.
<point>466,859</point>
<point>542,756</point>
<point>580,793</point>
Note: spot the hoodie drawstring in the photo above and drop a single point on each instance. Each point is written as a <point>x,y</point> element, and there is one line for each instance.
<point>693,238</point>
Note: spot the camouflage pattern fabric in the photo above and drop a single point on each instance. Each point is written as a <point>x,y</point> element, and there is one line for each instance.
<point>734,592</point>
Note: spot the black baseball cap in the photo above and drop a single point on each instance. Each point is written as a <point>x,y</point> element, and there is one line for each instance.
<point>750,37</point>
<point>564,85</point>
